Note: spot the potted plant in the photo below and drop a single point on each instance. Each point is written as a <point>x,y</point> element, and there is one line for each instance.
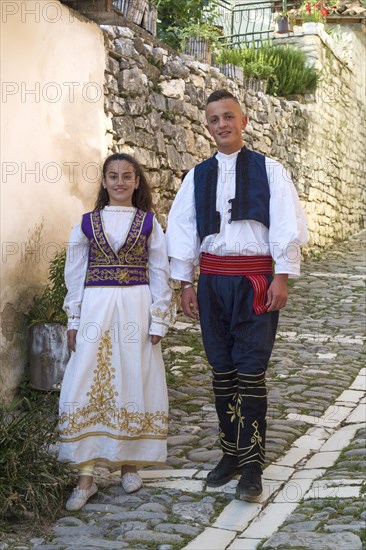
<point>281,20</point>
<point>199,40</point>
<point>256,75</point>
<point>230,62</point>
<point>315,13</point>
<point>47,321</point>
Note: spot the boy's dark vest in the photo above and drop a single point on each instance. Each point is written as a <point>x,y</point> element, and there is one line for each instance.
<point>128,265</point>
<point>252,195</point>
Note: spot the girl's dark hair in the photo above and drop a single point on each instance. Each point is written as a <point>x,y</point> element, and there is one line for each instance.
<point>141,197</point>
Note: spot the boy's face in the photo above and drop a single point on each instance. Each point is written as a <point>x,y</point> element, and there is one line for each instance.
<point>225,122</point>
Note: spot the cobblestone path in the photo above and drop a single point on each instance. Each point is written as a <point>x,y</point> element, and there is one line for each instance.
<point>314,484</point>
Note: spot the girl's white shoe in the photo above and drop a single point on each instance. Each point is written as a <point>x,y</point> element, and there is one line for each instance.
<point>79,497</point>
<point>131,482</point>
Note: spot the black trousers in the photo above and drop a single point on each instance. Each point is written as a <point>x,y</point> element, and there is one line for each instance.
<point>238,344</point>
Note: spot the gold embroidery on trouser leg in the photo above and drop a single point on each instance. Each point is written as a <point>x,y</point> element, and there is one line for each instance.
<point>251,412</point>
<point>225,386</point>
<point>103,409</point>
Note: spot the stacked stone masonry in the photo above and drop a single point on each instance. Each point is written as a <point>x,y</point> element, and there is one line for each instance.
<point>155,102</point>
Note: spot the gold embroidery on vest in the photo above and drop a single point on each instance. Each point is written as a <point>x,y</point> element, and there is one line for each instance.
<point>125,263</point>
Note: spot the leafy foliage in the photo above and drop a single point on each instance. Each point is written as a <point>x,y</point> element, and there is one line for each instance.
<point>316,11</point>
<point>47,308</point>
<point>208,32</point>
<point>31,479</point>
<point>175,15</point>
<point>284,68</point>
<point>261,71</point>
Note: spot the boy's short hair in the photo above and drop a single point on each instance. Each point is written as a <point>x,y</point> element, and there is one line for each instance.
<point>217,95</point>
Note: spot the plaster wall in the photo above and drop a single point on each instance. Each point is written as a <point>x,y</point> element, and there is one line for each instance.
<point>52,141</point>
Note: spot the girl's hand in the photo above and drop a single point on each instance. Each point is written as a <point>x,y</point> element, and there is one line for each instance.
<point>155,339</point>
<point>71,340</point>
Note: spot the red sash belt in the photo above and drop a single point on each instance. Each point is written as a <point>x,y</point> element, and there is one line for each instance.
<point>254,268</point>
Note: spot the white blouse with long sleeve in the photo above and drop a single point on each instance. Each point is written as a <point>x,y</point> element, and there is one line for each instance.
<point>287,231</point>
<point>116,222</point>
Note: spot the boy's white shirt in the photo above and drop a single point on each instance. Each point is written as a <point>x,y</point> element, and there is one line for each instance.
<point>287,231</point>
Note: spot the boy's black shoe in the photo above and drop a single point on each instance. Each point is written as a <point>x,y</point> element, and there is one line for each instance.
<point>250,487</point>
<point>226,469</point>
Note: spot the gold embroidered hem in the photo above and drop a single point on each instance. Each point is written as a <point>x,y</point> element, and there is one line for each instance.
<point>121,437</point>
<point>113,402</point>
<point>113,466</point>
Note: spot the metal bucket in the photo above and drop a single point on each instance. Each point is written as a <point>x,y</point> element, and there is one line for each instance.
<point>48,356</point>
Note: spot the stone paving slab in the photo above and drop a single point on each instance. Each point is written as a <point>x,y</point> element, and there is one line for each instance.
<point>334,416</point>
<point>227,489</point>
<point>333,492</point>
<point>269,520</point>
<point>351,396</point>
<point>281,473</point>
<point>315,541</point>
<point>358,415</point>
<point>213,539</point>
<point>309,443</point>
<point>359,383</point>
<point>166,474</point>
<point>294,490</point>
<point>322,459</point>
<point>341,438</point>
<point>244,544</point>
<point>293,456</point>
<point>337,482</point>
<point>189,485</point>
<point>309,474</point>
<point>237,515</point>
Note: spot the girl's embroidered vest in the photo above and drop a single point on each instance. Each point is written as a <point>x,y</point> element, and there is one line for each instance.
<point>251,200</point>
<point>129,264</point>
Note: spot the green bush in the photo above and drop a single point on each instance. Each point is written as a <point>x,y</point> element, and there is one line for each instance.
<point>174,16</point>
<point>31,479</point>
<point>260,71</point>
<point>289,73</point>
<point>206,31</point>
<point>229,56</point>
<point>47,308</point>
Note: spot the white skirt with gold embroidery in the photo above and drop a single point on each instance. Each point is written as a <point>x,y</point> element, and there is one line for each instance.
<point>113,402</point>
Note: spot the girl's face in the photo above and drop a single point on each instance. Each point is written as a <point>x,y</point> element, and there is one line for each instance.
<point>120,181</point>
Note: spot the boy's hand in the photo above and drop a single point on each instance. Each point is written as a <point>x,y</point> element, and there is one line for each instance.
<point>155,339</point>
<point>71,340</point>
<point>189,303</point>
<point>277,293</point>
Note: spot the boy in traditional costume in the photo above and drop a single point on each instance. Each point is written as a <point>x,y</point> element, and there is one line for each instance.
<point>236,214</point>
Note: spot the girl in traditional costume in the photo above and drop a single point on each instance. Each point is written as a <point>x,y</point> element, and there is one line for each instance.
<point>113,402</point>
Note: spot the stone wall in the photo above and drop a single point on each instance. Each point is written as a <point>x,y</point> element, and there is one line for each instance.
<point>330,159</point>
<point>155,102</point>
